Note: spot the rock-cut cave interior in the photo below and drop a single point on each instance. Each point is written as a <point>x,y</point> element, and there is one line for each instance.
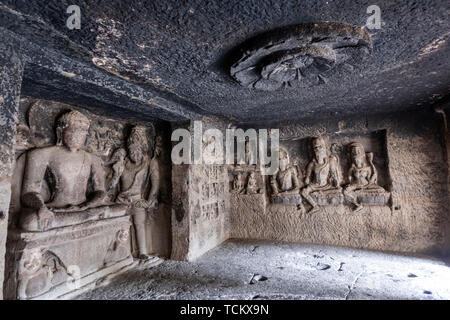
<point>221,150</point>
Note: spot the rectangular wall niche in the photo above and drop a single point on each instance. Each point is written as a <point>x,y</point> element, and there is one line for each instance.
<point>258,216</point>
<point>375,142</point>
<point>89,239</point>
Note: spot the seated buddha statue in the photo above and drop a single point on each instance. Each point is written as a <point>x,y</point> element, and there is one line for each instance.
<point>62,184</point>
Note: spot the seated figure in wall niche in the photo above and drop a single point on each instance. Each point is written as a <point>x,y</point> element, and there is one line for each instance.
<point>238,183</point>
<point>139,184</point>
<point>252,184</point>
<point>285,183</point>
<point>362,174</point>
<point>322,172</point>
<point>57,178</point>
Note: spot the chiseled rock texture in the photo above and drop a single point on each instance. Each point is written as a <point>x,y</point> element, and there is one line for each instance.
<point>11,68</point>
<point>172,59</point>
<point>201,205</point>
<point>412,165</point>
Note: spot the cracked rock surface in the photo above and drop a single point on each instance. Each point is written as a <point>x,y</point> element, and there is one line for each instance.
<point>291,271</point>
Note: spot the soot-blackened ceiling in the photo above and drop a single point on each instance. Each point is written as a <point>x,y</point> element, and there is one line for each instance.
<point>182,51</point>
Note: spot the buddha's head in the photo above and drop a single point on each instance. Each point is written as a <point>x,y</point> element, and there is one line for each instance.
<point>137,144</point>
<point>319,148</point>
<point>72,129</point>
<point>284,159</point>
<point>357,154</point>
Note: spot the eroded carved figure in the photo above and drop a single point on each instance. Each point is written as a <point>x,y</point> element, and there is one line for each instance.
<point>117,163</point>
<point>299,55</point>
<point>139,184</point>
<point>252,184</point>
<point>39,270</point>
<point>322,172</point>
<point>285,181</point>
<point>362,174</point>
<point>238,183</point>
<point>285,184</point>
<point>118,249</point>
<point>57,178</point>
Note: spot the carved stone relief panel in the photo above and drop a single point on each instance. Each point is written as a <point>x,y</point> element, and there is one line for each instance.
<point>298,55</point>
<point>246,181</point>
<point>330,174</point>
<point>285,183</point>
<point>77,177</point>
<point>213,188</point>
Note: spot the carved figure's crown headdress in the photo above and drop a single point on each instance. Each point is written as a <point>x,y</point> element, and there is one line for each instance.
<point>283,150</point>
<point>357,145</point>
<point>318,140</point>
<point>138,136</point>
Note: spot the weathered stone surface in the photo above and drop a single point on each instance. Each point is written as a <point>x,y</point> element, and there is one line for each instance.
<point>11,68</point>
<point>81,206</point>
<point>200,218</point>
<point>181,54</point>
<point>405,212</point>
<point>129,65</point>
<point>53,263</point>
<point>303,54</point>
<point>289,199</point>
<point>247,212</point>
<point>292,272</point>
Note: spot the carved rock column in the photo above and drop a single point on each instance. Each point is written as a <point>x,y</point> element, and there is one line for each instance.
<point>11,69</point>
<point>200,204</point>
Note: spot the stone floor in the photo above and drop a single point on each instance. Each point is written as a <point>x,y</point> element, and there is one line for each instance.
<point>238,270</point>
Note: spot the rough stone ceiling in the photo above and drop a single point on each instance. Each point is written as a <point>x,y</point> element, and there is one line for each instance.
<point>180,51</point>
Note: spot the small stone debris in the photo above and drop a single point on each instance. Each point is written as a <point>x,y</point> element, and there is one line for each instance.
<point>427,292</point>
<point>253,249</point>
<point>322,266</point>
<point>257,277</point>
<point>412,275</point>
<point>340,266</point>
<point>317,256</point>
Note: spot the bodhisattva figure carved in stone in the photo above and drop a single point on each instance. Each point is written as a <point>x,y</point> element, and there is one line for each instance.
<point>322,172</point>
<point>252,184</point>
<point>118,165</point>
<point>285,181</point>
<point>238,183</point>
<point>139,184</point>
<point>362,174</point>
<point>67,170</point>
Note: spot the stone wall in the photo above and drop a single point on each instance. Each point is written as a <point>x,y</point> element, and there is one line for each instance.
<point>35,128</point>
<point>411,164</point>
<point>200,219</point>
<point>11,69</point>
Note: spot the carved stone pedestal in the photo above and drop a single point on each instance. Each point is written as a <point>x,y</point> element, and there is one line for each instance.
<point>375,197</point>
<point>286,199</point>
<point>61,261</point>
<point>328,197</point>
